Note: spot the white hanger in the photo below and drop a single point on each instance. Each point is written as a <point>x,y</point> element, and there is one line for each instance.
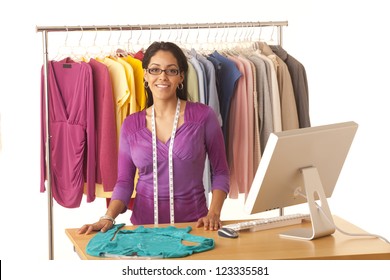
<point>130,50</point>
<point>64,50</point>
<point>94,50</point>
<point>78,52</point>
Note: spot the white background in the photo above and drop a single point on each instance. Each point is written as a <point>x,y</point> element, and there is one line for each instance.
<point>342,44</point>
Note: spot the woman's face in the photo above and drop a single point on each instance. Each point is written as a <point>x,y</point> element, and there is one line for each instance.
<point>163,85</point>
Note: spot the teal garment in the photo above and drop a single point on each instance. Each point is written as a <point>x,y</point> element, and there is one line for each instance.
<point>147,242</point>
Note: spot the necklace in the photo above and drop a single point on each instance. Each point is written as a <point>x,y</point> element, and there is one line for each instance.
<point>155,177</point>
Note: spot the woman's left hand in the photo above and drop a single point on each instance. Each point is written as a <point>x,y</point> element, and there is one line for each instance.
<point>210,222</point>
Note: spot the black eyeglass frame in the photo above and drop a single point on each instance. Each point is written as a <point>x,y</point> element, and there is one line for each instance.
<point>174,71</point>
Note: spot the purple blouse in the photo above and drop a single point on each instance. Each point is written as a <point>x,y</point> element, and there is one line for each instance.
<point>200,134</point>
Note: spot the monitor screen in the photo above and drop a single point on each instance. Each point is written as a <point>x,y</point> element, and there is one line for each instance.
<point>287,153</point>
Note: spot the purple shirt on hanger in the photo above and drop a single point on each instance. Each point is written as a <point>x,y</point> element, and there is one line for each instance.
<point>200,134</point>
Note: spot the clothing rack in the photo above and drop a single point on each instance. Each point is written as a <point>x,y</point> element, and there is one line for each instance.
<point>45,38</point>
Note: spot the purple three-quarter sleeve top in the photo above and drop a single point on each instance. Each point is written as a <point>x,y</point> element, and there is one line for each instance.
<point>200,134</point>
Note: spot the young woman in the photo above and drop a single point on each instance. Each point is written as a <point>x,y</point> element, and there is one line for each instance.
<point>168,143</point>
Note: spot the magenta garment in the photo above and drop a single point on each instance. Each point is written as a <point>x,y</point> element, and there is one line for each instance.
<point>72,132</point>
<point>105,124</point>
<point>199,134</point>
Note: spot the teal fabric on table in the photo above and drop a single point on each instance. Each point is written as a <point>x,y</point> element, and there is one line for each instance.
<point>163,242</point>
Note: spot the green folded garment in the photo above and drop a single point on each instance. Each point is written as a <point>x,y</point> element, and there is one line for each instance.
<point>147,242</point>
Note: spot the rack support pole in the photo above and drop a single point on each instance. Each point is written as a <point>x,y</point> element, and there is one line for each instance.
<point>47,147</point>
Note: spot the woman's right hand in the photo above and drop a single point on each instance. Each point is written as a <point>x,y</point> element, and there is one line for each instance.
<point>103,225</point>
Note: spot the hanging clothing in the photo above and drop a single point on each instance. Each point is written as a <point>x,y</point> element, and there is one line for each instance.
<point>148,242</point>
<point>129,72</point>
<point>251,104</point>
<point>138,72</point>
<point>199,134</point>
<point>120,90</point>
<point>238,134</point>
<point>273,88</point>
<point>264,100</point>
<point>228,75</point>
<point>106,138</point>
<point>139,55</point>
<point>286,91</point>
<point>192,83</point>
<point>299,82</point>
<point>257,141</point>
<point>211,87</point>
<point>200,75</point>
<point>210,98</point>
<point>72,132</point>
<point>252,92</point>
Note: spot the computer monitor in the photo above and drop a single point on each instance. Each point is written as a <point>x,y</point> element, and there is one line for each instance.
<point>299,166</point>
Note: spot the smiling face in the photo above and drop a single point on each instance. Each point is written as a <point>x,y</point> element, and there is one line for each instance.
<point>163,86</point>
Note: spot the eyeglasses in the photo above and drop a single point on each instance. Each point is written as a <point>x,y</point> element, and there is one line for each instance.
<point>168,72</point>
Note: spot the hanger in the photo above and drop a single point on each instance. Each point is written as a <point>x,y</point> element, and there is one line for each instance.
<point>205,48</point>
<point>78,52</point>
<point>112,48</point>
<point>236,45</point>
<point>159,36</point>
<point>94,50</point>
<point>247,44</point>
<point>183,43</point>
<point>64,50</point>
<point>218,43</point>
<point>271,40</point>
<point>179,31</point>
<point>119,50</point>
<point>138,44</point>
<point>214,44</point>
<point>106,51</point>
<point>129,49</point>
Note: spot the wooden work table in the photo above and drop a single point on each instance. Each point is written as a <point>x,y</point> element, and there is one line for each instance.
<point>267,245</point>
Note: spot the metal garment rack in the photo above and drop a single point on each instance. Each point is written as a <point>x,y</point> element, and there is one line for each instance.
<point>45,37</point>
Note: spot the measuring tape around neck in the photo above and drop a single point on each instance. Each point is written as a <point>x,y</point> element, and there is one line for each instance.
<point>155,171</point>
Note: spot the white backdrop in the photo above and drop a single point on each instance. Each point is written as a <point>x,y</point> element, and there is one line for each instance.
<point>342,44</point>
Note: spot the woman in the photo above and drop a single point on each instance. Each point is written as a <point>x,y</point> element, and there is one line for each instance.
<point>170,184</point>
